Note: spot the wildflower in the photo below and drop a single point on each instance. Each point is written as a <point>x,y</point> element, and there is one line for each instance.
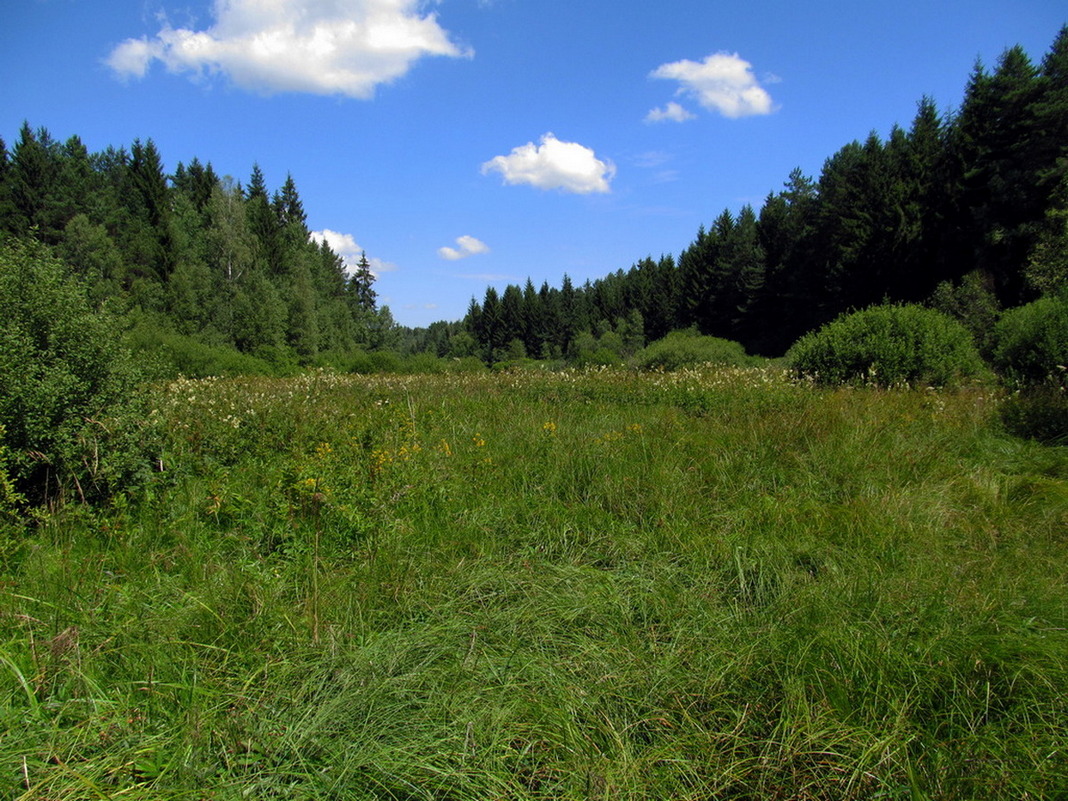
<point>478,440</point>
<point>549,428</point>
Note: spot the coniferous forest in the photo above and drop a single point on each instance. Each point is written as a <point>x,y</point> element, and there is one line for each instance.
<point>190,253</point>
<point>965,211</point>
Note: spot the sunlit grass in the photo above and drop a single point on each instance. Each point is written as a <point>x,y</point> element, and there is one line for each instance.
<point>703,584</point>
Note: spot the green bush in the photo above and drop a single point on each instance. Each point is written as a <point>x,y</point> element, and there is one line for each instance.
<point>169,355</point>
<point>1031,342</point>
<point>974,304</point>
<point>888,345</point>
<point>1039,413</point>
<point>465,364</point>
<point>10,500</point>
<point>1031,353</point>
<point>68,401</point>
<point>688,348</point>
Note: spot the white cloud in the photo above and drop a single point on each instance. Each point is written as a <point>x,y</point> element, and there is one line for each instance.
<point>343,47</point>
<point>345,246</point>
<point>567,166</point>
<point>672,111</point>
<point>723,82</point>
<point>132,57</point>
<point>468,246</point>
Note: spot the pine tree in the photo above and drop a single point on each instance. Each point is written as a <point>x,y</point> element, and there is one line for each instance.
<point>148,240</point>
<point>995,172</point>
<point>361,285</point>
<point>535,332</point>
<point>491,327</point>
<point>786,304</point>
<point>744,277</point>
<point>263,221</point>
<point>33,173</point>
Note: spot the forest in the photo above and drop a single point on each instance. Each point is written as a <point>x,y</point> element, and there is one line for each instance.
<point>191,254</point>
<point>965,211</point>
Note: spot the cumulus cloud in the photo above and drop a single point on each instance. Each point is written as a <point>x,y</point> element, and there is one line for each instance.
<point>326,47</point>
<point>467,246</point>
<point>722,82</point>
<point>553,164</point>
<point>344,245</point>
<point>672,111</point>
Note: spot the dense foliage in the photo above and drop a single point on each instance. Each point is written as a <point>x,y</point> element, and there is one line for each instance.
<point>690,349</point>
<point>1031,342</point>
<point>1031,351</point>
<point>192,253</point>
<point>65,382</point>
<point>888,345</point>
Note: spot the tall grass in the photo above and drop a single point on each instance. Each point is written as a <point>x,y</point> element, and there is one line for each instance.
<point>706,584</point>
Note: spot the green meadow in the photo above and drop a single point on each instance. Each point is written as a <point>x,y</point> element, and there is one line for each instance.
<point>717,583</point>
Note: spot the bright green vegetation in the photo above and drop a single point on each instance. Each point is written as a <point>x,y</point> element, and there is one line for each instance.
<point>703,584</point>
<point>689,349</point>
<point>65,382</point>
<point>888,345</point>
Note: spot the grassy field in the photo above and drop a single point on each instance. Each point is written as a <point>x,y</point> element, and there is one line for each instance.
<point>715,584</point>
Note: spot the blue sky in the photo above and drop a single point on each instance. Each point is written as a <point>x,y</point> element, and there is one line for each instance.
<point>463,143</point>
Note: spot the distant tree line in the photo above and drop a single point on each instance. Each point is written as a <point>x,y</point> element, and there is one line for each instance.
<point>192,252</point>
<point>967,212</point>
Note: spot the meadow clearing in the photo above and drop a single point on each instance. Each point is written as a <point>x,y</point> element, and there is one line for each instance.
<point>717,583</point>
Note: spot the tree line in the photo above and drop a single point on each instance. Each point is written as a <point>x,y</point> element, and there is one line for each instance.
<point>967,211</point>
<point>192,252</point>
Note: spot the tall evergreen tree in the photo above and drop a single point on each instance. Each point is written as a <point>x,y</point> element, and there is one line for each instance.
<point>992,148</point>
<point>7,205</point>
<point>32,177</point>
<point>147,241</point>
<point>744,277</point>
<point>361,285</point>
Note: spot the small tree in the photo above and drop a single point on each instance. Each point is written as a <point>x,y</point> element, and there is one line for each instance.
<point>64,376</point>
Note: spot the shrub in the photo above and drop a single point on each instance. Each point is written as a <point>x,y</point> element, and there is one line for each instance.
<point>888,345</point>
<point>10,500</point>
<point>67,385</point>
<point>465,364</point>
<point>1031,352</point>
<point>1031,342</point>
<point>687,348</point>
<point>974,304</point>
<point>385,361</point>
<point>1039,413</point>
